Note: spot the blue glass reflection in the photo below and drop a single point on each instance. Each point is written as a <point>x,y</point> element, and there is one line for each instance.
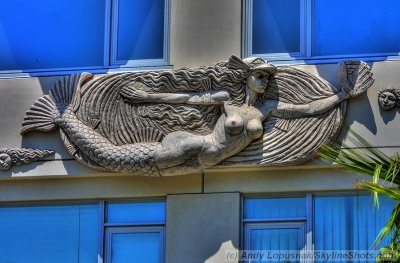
<point>276,26</point>
<point>274,207</point>
<point>140,29</point>
<point>139,212</point>
<point>275,240</point>
<point>136,247</point>
<point>45,34</point>
<point>343,27</point>
<point>40,234</point>
<point>348,222</point>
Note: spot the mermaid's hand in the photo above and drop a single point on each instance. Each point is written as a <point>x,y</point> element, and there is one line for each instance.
<point>134,95</point>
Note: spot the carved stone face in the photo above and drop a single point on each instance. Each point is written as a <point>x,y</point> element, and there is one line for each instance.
<point>5,161</point>
<point>258,82</point>
<point>387,100</point>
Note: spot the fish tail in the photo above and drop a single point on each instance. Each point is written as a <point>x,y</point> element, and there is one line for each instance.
<point>43,114</point>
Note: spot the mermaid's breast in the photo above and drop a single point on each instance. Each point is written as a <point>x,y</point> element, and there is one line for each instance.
<point>234,124</point>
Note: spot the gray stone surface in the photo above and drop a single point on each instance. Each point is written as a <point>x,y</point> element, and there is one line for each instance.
<point>94,187</point>
<point>204,32</point>
<point>201,227</point>
<point>184,121</point>
<point>280,180</point>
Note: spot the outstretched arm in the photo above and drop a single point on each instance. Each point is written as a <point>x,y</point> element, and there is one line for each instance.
<point>287,110</point>
<point>199,98</point>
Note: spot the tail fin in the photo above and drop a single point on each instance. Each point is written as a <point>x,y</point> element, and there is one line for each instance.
<point>355,77</point>
<point>43,113</point>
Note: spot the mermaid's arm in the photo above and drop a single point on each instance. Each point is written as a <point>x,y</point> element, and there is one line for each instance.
<point>199,98</point>
<point>287,110</point>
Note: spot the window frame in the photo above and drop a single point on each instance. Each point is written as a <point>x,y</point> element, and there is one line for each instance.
<point>110,231</point>
<point>305,56</point>
<point>289,224</point>
<point>110,63</point>
<point>103,225</point>
<point>164,61</point>
<point>308,219</point>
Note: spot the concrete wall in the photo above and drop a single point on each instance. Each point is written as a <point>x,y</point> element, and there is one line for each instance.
<point>201,227</point>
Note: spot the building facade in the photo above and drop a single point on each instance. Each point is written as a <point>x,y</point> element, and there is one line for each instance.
<point>58,210</point>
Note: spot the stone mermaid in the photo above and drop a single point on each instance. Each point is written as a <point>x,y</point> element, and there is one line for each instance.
<point>106,123</point>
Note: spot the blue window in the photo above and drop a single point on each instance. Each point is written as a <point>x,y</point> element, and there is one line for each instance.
<point>275,224</point>
<point>41,234</point>
<point>321,29</point>
<point>348,222</point>
<point>65,35</point>
<point>293,225</point>
<point>115,231</point>
<point>135,231</point>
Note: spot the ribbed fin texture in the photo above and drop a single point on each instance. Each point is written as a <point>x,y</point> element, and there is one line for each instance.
<point>43,113</point>
<point>40,117</point>
<point>355,77</point>
<point>68,90</point>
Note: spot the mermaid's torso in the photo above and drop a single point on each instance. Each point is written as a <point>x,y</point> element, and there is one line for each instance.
<point>234,131</point>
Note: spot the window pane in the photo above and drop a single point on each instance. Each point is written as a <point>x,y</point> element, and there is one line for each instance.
<point>274,207</point>
<point>140,212</point>
<point>44,34</point>
<point>140,33</point>
<point>49,234</point>
<point>276,26</point>
<point>136,247</point>
<point>343,27</point>
<point>348,222</point>
<point>275,239</point>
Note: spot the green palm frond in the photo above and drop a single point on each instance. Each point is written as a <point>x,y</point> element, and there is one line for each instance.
<point>363,158</point>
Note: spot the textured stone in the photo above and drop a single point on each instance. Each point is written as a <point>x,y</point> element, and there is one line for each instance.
<point>183,121</point>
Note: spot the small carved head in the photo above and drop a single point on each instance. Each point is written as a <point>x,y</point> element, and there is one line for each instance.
<point>5,161</point>
<point>260,72</point>
<point>388,98</point>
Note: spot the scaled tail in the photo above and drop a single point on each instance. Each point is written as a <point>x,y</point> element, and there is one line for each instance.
<point>43,113</point>
<point>355,77</point>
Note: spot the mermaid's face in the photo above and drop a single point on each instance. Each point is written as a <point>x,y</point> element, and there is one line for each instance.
<point>258,81</point>
<point>387,100</point>
<point>5,161</point>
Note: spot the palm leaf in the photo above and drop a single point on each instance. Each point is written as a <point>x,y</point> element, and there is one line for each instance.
<point>365,159</point>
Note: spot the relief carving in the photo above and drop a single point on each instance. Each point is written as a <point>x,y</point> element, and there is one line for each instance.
<point>389,98</point>
<point>16,156</point>
<point>158,123</point>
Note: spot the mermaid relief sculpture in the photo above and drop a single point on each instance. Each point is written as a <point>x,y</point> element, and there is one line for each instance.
<point>159,123</point>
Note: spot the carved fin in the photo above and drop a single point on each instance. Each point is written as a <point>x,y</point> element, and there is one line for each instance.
<point>43,113</point>
<point>67,90</point>
<point>355,77</point>
<point>40,117</point>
